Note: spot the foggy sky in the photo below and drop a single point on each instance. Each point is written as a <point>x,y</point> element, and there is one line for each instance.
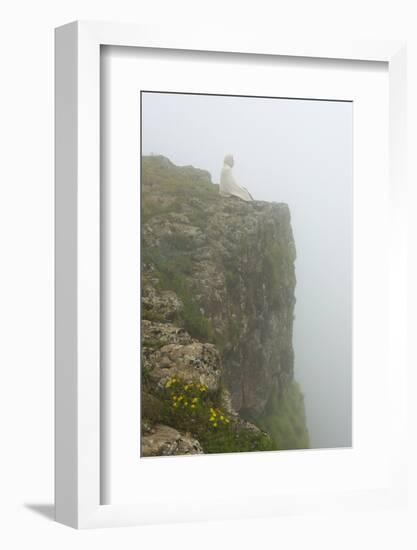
<point>298,152</point>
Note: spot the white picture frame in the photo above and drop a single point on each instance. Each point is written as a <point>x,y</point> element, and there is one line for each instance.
<point>78,405</point>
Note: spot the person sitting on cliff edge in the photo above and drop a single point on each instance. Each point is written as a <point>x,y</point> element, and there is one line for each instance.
<point>228,185</point>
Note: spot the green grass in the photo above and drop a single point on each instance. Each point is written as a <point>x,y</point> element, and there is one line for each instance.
<point>235,439</point>
<point>152,343</point>
<point>172,270</point>
<point>151,315</point>
<point>175,185</point>
<point>284,419</point>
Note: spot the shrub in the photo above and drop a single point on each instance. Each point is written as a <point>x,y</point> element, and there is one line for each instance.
<point>191,407</point>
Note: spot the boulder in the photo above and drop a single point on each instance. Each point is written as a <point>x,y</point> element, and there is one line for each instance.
<point>165,441</point>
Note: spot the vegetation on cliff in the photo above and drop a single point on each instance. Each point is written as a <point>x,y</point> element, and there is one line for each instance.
<point>191,408</point>
<point>218,285</point>
<point>284,419</point>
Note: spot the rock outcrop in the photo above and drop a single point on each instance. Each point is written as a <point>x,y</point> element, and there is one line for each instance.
<point>164,441</point>
<point>218,284</point>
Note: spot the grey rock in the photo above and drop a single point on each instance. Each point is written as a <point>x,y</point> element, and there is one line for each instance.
<point>165,441</point>
<point>195,362</point>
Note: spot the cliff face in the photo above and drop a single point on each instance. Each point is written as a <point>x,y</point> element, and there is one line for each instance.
<point>221,272</point>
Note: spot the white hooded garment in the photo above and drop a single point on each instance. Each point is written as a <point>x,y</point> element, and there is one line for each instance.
<point>228,185</point>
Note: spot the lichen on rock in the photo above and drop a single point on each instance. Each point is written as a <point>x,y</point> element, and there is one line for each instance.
<point>193,362</point>
<point>164,441</point>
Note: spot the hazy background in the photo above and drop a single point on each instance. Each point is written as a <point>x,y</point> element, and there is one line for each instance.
<point>298,152</point>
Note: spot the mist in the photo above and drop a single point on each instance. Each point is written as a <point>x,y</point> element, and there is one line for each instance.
<point>298,152</point>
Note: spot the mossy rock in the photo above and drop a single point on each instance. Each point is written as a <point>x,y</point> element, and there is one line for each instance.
<point>152,407</point>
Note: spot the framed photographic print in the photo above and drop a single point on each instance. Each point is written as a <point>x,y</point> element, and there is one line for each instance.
<point>228,216</point>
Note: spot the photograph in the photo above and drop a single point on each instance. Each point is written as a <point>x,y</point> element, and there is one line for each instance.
<point>246,273</point>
